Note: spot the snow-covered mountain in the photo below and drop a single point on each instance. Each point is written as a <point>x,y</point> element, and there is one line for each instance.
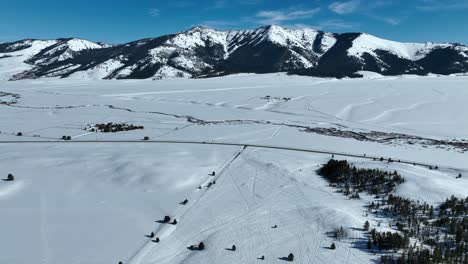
<point>205,52</point>
<point>19,59</point>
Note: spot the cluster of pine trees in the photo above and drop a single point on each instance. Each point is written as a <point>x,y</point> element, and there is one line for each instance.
<point>454,206</point>
<point>442,231</point>
<point>388,240</point>
<point>406,208</point>
<point>114,127</point>
<point>421,255</point>
<point>352,180</point>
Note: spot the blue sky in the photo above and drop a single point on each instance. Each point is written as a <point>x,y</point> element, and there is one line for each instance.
<point>119,21</point>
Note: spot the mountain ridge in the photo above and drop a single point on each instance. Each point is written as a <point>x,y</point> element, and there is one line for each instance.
<point>205,52</point>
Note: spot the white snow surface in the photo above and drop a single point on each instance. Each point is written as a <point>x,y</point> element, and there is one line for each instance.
<point>95,202</point>
<point>82,44</point>
<point>170,72</point>
<point>14,63</point>
<point>198,36</point>
<point>98,72</point>
<point>72,46</point>
<point>412,51</point>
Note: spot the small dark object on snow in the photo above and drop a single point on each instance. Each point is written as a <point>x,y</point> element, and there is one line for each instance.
<point>166,219</point>
<point>146,138</point>
<point>120,262</point>
<point>10,177</point>
<point>233,248</point>
<point>150,235</point>
<point>156,240</point>
<point>201,246</point>
<point>214,182</point>
<point>275,226</point>
<point>459,176</point>
<point>174,222</point>
<point>184,202</point>
<point>19,134</point>
<point>199,187</point>
<point>333,247</point>
<point>290,257</point>
<point>212,174</point>
<point>209,184</point>
<point>261,258</point>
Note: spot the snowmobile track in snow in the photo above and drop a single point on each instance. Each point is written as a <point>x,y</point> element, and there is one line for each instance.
<point>181,212</point>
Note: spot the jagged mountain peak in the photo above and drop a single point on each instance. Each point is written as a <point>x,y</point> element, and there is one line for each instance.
<point>77,44</point>
<point>200,29</point>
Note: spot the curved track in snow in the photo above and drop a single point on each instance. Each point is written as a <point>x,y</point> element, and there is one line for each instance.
<point>161,231</point>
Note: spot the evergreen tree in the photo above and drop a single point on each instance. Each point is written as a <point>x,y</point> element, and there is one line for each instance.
<point>431,212</point>
<point>366,226</point>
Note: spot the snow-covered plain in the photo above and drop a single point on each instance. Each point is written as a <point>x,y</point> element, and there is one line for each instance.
<point>95,202</point>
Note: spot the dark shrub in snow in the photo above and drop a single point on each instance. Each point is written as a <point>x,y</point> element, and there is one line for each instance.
<point>201,246</point>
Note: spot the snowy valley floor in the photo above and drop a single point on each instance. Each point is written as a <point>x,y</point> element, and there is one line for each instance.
<point>94,203</point>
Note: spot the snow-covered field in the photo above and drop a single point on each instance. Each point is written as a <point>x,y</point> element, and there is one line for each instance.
<point>94,203</point>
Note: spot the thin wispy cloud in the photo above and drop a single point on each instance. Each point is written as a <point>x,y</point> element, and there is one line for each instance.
<point>391,20</point>
<point>436,5</point>
<point>217,4</point>
<point>183,3</point>
<point>251,2</point>
<point>154,12</point>
<point>335,24</point>
<point>345,7</point>
<point>378,4</point>
<point>331,24</point>
<point>298,26</point>
<point>281,16</point>
<point>218,23</point>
